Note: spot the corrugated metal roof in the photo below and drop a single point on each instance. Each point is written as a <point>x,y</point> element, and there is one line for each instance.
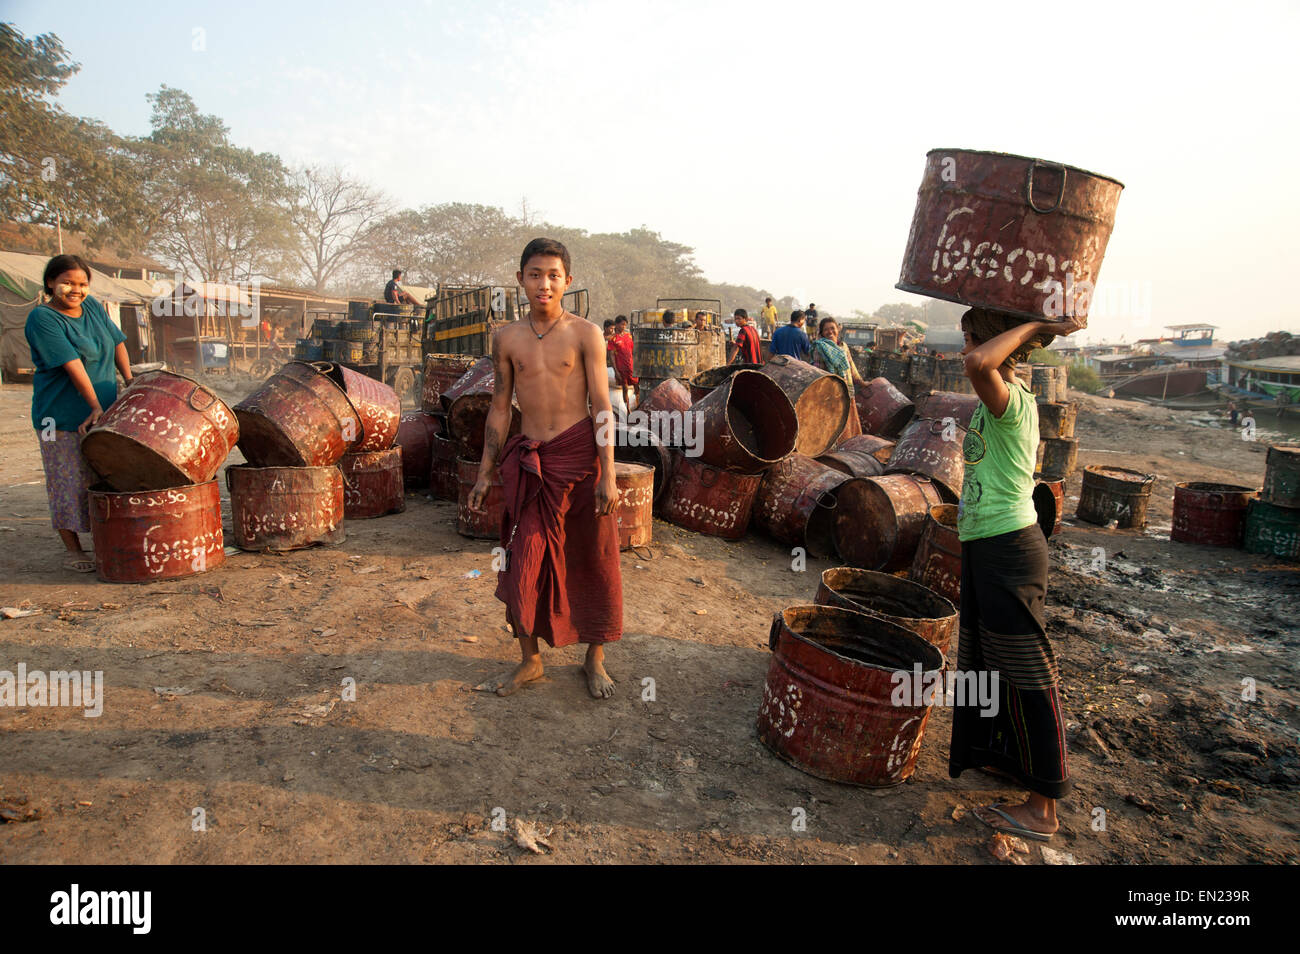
<point>1289,363</point>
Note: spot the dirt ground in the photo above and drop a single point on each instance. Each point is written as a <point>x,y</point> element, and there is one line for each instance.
<point>223,693</point>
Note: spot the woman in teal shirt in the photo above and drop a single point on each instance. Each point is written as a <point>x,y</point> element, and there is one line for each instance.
<point>1004,582</point>
<point>76,349</point>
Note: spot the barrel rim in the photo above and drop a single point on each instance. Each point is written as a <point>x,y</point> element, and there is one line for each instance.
<point>857,570</point>
<point>911,637</point>
<point>1012,155</point>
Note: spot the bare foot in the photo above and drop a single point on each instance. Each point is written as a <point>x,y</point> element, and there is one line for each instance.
<point>1025,817</point>
<point>525,672</point>
<point>599,683</point>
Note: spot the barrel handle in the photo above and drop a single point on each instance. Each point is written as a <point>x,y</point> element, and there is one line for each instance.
<point>708,476</point>
<point>781,360</point>
<point>229,484</point>
<point>1029,185</point>
<point>199,389</point>
<point>774,634</point>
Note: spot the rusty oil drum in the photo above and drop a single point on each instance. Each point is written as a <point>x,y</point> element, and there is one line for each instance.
<point>1059,457</point>
<point>285,508</point>
<point>797,501</point>
<point>372,484</point>
<point>415,433</point>
<point>635,510</point>
<point>748,423</point>
<point>299,418</point>
<point>444,477</point>
<point>487,524</point>
<point>149,535</point>
<point>930,448</point>
<point>937,563</point>
<point>883,409</point>
<point>1049,504</point>
<point>1272,530</point>
<point>821,402</point>
<point>163,431</point>
<point>861,456</point>
<point>1114,493</point>
<point>1213,515</point>
<point>640,445</point>
<point>1056,421</point>
<point>1042,381</point>
<point>918,608</point>
<point>441,371</point>
<point>667,395</point>
<point>707,380</point>
<point>710,349</point>
<point>709,500</point>
<point>468,402</point>
<point>885,533</point>
<point>1281,475</point>
<point>828,701</point>
<point>997,231</point>
<point>938,405</point>
<point>378,406</point>
<point>659,352</point>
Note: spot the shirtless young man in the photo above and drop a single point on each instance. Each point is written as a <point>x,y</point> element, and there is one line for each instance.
<point>561,579</point>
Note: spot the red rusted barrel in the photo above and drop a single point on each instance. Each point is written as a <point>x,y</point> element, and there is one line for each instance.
<point>1114,493</point>
<point>377,404</point>
<point>150,535</point>
<point>415,433</point>
<point>1000,231</point>
<point>640,445</point>
<point>938,405</point>
<point>914,606</point>
<point>441,371</point>
<point>1281,475</point>
<point>747,423</point>
<point>285,508</point>
<point>667,395</point>
<point>1056,421</point>
<point>444,476</point>
<point>937,563</point>
<point>635,504</point>
<point>797,500</point>
<point>883,409</point>
<point>933,449</point>
<point>707,380</point>
<point>372,484</point>
<point>821,402</point>
<point>299,418</point>
<point>829,700</point>
<point>1049,504</point>
<point>164,430</point>
<point>468,402</point>
<point>861,456</point>
<point>709,500</point>
<point>487,524</point>
<point>885,533</point>
<point>1271,530</point>
<point>1213,515</point>
<point>1059,457</point>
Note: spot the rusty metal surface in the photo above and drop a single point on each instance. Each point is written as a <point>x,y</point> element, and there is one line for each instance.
<point>1049,504</point>
<point>1056,421</point>
<point>1042,381</point>
<point>930,448</point>
<point>285,508</point>
<point>854,463</point>
<point>912,605</point>
<point>635,504</point>
<point>747,423</point>
<point>299,418</point>
<point>883,409</point>
<point>1272,530</point>
<point>708,379</point>
<point>1114,493</point>
<point>640,445</point>
<point>659,352</point>
<point>487,524</point>
<point>164,430</point>
<point>878,447</point>
<point>938,405</point>
<point>149,535</point>
<point>796,503</point>
<point>894,367</point>
<point>668,395</point>
<point>1059,458</point>
<point>827,704</point>
<point>709,500</point>
<point>937,563</point>
<point>378,406</point>
<point>922,371</point>
<point>441,371</point>
<point>372,484</point>
<point>468,402</point>
<point>884,533</point>
<point>821,402</point>
<point>415,433</point>
<point>1282,475</point>
<point>711,349</point>
<point>444,477</point>
<point>1213,515</point>
<point>997,231</point>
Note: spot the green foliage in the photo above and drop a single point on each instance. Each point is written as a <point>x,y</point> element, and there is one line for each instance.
<point>1046,356</point>
<point>1084,378</point>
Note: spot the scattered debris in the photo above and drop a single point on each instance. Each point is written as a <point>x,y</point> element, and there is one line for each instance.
<point>1006,847</point>
<point>13,612</point>
<point>527,835</point>
<point>959,813</point>
<point>469,639</point>
<point>1053,857</point>
<point>172,690</point>
<point>472,575</point>
<point>15,809</point>
<point>373,568</point>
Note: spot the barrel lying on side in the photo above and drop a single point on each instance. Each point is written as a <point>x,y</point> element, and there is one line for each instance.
<point>797,502</point>
<point>883,409</point>
<point>299,418</point>
<point>709,500</point>
<point>884,533</point>
<point>748,423</point>
<point>820,399</point>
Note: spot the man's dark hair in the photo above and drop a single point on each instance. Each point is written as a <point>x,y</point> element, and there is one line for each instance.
<point>796,316</point>
<point>828,320</point>
<point>609,323</point>
<point>768,300</point>
<point>546,246</point>
<point>701,314</point>
<point>622,318</point>
<point>740,313</point>
<point>397,273</point>
<point>60,264</point>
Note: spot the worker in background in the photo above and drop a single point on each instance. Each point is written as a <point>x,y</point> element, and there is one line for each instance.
<point>394,294</point>
<point>621,348</point>
<point>811,314</point>
<point>701,320</point>
<point>791,339</point>
<point>767,315</point>
<point>748,348</point>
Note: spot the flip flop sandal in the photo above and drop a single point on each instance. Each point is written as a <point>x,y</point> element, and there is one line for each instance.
<point>79,564</point>
<point>1012,827</point>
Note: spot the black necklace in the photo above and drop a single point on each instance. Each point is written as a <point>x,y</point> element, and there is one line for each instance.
<point>547,331</point>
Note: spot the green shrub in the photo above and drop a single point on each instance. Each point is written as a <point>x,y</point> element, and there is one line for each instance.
<point>1084,378</point>
<point>1043,356</point>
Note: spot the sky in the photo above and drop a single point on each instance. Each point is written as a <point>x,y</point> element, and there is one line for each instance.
<point>783,142</point>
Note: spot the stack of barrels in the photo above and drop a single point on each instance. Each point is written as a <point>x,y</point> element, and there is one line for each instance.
<point>157,449</point>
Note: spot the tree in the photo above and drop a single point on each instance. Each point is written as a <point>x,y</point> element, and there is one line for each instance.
<point>337,220</point>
